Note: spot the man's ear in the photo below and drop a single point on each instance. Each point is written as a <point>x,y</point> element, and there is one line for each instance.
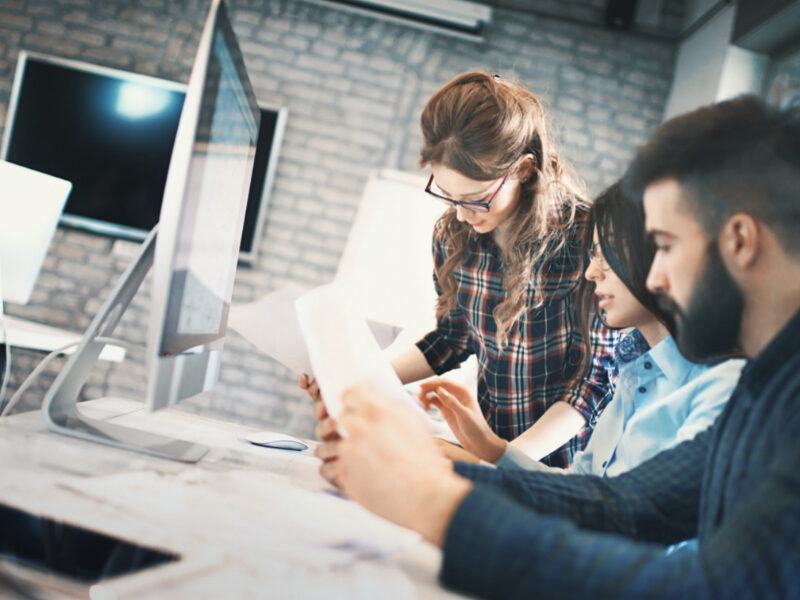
<point>740,241</point>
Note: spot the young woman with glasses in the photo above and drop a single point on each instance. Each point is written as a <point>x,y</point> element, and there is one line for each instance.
<point>660,399</point>
<point>508,260</point>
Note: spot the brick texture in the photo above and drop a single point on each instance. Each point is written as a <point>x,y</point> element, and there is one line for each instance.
<point>354,87</point>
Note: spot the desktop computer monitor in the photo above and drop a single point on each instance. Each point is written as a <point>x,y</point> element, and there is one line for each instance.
<point>200,226</point>
<point>111,133</point>
<point>193,252</point>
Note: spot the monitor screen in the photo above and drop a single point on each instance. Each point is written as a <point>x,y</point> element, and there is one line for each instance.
<point>111,134</point>
<point>268,147</point>
<point>201,218</point>
<point>108,132</point>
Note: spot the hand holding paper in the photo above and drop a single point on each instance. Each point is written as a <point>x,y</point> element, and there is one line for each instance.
<point>343,352</point>
<point>319,332</point>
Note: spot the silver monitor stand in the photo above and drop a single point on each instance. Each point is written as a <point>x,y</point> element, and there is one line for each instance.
<point>60,403</point>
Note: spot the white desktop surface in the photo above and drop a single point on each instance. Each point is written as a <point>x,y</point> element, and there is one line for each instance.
<point>248,521</point>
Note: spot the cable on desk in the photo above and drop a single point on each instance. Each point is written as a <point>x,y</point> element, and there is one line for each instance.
<point>7,366</point>
<point>46,361</point>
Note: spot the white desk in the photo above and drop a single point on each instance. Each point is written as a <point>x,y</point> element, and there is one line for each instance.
<point>248,522</point>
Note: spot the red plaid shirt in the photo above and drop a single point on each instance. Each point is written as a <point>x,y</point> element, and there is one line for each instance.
<point>541,361</point>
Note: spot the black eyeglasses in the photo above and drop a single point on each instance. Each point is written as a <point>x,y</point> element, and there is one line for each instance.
<point>474,206</point>
<point>596,255</point>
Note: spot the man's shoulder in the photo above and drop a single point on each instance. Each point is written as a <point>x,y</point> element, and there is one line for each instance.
<point>726,372</point>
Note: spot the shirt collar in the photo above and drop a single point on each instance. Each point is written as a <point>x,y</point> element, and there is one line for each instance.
<point>671,362</point>
<point>630,347</point>
<point>772,358</point>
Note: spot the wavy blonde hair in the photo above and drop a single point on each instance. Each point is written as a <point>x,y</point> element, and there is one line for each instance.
<point>482,126</point>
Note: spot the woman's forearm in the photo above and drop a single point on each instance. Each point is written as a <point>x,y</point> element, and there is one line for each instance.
<point>560,423</point>
<point>412,366</point>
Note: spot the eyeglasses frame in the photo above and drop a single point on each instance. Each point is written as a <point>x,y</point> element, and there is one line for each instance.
<point>596,257</point>
<point>480,207</point>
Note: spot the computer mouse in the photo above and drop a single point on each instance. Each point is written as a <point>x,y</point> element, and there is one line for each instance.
<point>273,439</point>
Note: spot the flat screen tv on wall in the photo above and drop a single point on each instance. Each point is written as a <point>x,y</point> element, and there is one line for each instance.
<point>111,134</point>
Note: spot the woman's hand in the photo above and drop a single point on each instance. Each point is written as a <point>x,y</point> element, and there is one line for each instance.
<point>462,412</point>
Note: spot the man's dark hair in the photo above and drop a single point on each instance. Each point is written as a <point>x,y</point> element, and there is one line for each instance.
<point>736,156</point>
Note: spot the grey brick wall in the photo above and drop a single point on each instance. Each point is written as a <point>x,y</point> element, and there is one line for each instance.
<point>354,87</point>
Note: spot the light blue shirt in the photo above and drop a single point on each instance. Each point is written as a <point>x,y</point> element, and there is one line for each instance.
<point>660,400</point>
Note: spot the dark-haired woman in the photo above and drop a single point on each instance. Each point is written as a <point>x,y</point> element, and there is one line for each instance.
<point>660,399</point>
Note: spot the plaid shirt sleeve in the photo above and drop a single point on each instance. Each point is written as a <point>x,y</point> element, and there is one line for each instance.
<point>447,346</point>
<point>542,553</point>
<point>590,395</point>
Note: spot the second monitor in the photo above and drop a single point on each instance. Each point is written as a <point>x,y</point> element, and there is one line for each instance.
<point>111,133</point>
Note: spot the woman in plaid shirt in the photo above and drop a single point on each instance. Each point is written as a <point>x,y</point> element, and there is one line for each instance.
<point>508,259</point>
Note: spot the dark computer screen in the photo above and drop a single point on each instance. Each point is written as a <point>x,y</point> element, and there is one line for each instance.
<point>110,136</point>
<point>270,132</point>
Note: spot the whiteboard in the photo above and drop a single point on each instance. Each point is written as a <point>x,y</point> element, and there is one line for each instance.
<point>387,263</point>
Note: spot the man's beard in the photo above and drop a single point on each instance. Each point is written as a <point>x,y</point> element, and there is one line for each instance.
<point>708,331</point>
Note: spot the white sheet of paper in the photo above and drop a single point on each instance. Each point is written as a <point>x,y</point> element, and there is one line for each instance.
<point>344,353</point>
<point>271,325</point>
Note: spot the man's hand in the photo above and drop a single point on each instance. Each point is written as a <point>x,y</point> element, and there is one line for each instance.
<point>387,461</point>
<point>462,412</point>
<point>310,385</point>
<point>455,452</point>
<point>320,412</point>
